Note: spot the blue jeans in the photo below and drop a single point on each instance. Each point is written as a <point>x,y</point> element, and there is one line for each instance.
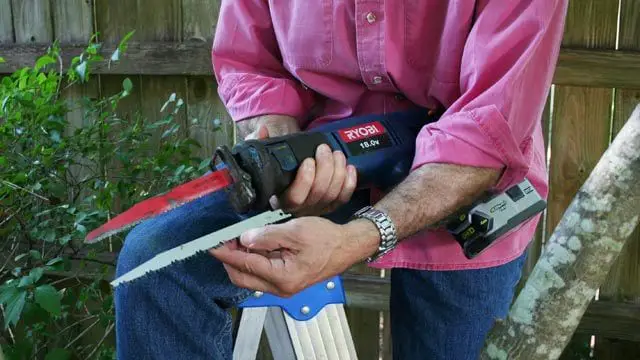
<point>181,312</point>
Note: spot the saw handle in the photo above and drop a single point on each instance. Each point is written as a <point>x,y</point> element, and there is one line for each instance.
<point>272,164</point>
<point>381,147</point>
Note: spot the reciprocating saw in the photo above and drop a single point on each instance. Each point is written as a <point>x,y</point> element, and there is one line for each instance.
<point>381,147</point>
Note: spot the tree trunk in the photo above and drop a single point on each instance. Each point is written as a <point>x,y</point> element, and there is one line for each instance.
<point>576,258</point>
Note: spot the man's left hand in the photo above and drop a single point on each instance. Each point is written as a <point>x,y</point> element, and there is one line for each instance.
<point>286,258</point>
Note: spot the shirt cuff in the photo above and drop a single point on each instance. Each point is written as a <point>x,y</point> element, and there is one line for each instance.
<point>480,137</point>
<point>250,95</point>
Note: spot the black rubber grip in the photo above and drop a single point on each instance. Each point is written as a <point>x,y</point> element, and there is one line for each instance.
<point>273,163</point>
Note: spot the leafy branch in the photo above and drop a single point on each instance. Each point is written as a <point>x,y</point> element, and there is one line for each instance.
<point>58,181</point>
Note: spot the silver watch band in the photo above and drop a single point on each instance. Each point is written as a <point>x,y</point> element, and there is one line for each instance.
<point>388,234</point>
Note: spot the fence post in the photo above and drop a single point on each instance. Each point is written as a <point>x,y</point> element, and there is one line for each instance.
<point>577,257</point>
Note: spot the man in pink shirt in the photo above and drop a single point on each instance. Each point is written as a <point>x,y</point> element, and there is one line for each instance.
<point>485,66</point>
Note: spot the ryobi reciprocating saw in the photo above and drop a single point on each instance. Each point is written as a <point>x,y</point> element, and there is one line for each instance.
<point>381,147</point>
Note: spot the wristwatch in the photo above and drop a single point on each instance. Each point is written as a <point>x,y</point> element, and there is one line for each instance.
<point>388,234</point>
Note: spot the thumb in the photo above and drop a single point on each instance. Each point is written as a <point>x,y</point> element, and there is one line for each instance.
<point>262,132</point>
<point>269,238</point>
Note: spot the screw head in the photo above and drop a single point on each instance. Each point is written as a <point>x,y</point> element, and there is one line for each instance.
<point>257,294</point>
<point>331,285</point>
<point>305,310</point>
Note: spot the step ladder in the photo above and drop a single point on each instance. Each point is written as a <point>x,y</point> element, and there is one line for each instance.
<point>309,325</point>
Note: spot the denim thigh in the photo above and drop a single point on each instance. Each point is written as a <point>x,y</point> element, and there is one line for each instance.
<point>447,314</point>
<point>181,311</point>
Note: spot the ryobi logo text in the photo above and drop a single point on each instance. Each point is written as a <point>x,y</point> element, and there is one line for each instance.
<point>362,132</point>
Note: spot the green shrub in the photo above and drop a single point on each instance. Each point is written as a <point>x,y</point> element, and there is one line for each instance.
<point>59,181</point>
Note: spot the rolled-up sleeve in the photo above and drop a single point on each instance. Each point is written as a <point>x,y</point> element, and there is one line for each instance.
<point>246,63</point>
<point>506,72</point>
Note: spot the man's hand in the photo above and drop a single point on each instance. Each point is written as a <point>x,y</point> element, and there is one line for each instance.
<point>266,126</point>
<point>321,184</point>
<point>284,259</point>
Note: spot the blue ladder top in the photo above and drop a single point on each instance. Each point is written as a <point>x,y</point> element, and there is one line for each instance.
<point>304,305</point>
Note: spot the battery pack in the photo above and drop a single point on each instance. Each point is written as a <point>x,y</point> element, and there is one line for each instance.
<point>480,225</point>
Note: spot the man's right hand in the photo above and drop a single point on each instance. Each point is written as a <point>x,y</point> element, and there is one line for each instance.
<point>321,184</point>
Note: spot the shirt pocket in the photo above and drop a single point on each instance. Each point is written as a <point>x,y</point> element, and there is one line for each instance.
<point>304,31</point>
<point>431,45</point>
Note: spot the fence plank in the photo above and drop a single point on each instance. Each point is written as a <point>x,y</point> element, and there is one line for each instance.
<point>199,20</point>
<point>164,23</point>
<point>606,318</point>
<point>214,125</point>
<point>579,134</point>
<point>623,282</point>
<point>32,21</point>
<point>365,322</point>
<point>535,248</point>
<point>114,20</point>
<point>604,68</point>
<point>579,67</point>
<point>73,20</point>
<point>6,22</point>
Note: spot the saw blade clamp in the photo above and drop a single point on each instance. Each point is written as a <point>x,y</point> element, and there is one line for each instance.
<point>241,193</point>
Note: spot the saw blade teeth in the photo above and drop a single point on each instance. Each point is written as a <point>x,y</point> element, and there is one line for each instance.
<point>202,244</point>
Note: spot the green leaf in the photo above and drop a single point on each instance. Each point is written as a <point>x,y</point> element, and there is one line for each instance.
<point>65,239</point>
<point>81,228</point>
<point>35,254</point>
<point>123,43</point>
<point>8,291</point>
<point>116,55</point>
<point>20,178</point>
<point>2,60</point>
<point>20,257</point>
<point>81,216</point>
<point>14,307</point>
<point>127,85</point>
<point>55,136</point>
<point>34,275</point>
<point>54,261</point>
<point>171,99</point>
<point>93,49</point>
<point>58,354</point>
<point>44,61</point>
<point>25,281</point>
<point>49,235</point>
<point>204,164</point>
<point>48,298</point>
<point>179,170</point>
<point>81,70</point>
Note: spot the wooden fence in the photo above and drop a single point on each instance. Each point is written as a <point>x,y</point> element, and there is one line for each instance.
<point>596,85</point>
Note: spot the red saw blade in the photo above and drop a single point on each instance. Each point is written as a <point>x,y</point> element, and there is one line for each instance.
<point>157,205</point>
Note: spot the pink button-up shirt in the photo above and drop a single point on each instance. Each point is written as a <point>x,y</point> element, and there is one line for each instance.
<point>489,63</point>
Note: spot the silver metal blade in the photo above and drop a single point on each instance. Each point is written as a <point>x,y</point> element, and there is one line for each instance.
<point>201,244</point>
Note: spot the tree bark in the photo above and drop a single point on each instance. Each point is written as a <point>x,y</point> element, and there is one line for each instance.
<point>577,257</point>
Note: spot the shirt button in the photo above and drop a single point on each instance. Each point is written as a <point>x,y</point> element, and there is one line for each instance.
<point>377,79</point>
<point>371,18</point>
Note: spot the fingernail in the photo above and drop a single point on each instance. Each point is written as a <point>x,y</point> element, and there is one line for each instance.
<point>324,150</point>
<point>248,238</point>
<point>308,165</point>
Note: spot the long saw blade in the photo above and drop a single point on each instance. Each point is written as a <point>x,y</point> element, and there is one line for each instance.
<point>159,204</point>
<point>201,244</point>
